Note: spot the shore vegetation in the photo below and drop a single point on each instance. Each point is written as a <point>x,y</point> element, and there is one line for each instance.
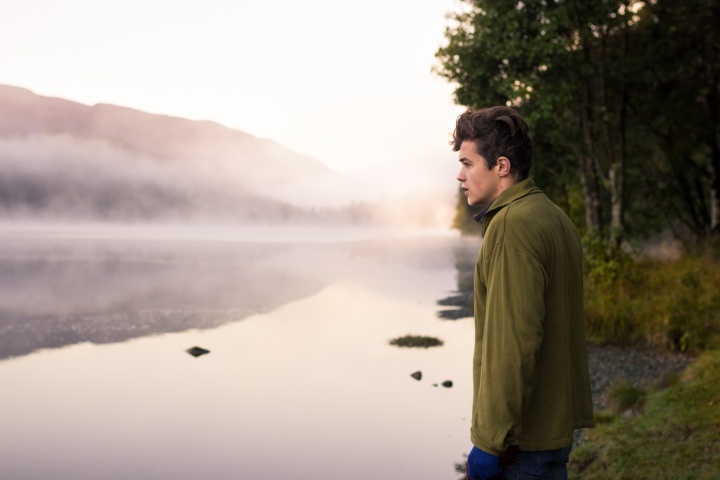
<point>675,435</point>
<point>416,341</point>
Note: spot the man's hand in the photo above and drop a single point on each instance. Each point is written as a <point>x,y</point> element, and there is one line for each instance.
<point>482,465</point>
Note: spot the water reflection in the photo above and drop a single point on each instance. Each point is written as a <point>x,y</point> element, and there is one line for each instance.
<point>461,300</point>
<point>60,292</point>
<point>301,382</point>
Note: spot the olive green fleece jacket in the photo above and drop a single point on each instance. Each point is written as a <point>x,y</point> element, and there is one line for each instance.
<point>530,368</point>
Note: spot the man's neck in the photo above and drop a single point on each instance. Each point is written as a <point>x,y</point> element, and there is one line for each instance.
<point>505,183</point>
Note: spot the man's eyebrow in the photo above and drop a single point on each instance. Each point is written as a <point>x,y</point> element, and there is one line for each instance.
<point>463,159</point>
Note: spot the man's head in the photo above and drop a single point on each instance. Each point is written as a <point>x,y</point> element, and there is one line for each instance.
<point>495,152</point>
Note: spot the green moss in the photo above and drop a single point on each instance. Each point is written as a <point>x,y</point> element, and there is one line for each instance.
<point>416,341</point>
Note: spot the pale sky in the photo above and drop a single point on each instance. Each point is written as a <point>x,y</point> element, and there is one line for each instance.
<point>347,83</point>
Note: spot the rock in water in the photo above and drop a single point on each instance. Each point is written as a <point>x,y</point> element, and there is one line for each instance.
<point>417,375</point>
<point>197,351</point>
<point>447,383</point>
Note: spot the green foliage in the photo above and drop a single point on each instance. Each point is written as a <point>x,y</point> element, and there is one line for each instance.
<point>674,437</point>
<point>688,316</point>
<point>679,106</point>
<point>604,116</point>
<point>416,341</point>
<point>666,304</point>
<point>605,265</point>
<point>610,281</point>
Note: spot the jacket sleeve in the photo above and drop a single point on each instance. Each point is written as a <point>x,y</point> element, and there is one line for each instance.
<point>511,337</point>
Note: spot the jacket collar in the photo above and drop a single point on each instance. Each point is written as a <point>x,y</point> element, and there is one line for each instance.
<point>516,192</point>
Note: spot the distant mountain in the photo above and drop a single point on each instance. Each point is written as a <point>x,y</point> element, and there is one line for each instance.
<point>64,160</point>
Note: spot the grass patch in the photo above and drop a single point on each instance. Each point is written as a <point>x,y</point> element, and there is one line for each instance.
<point>672,432</point>
<point>676,436</point>
<point>624,396</point>
<point>416,341</point>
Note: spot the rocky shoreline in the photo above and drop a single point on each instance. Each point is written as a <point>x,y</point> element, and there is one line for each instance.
<point>643,368</point>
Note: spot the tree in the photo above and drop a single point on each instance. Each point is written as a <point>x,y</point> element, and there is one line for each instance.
<point>564,66</point>
<point>681,108</point>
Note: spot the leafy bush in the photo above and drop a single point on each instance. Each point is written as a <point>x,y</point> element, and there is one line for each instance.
<point>673,305</point>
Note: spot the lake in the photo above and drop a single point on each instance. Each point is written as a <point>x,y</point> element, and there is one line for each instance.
<point>300,381</point>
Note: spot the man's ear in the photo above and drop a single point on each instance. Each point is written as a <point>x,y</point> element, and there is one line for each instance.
<point>504,166</point>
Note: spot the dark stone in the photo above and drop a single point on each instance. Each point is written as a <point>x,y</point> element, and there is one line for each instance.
<point>447,383</point>
<point>417,375</point>
<point>197,351</point>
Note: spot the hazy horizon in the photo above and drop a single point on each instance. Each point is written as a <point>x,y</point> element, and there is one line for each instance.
<point>348,85</point>
<point>64,161</point>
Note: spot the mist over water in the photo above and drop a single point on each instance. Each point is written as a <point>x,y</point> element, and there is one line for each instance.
<point>110,283</point>
<point>95,321</point>
<point>62,178</point>
<point>59,178</point>
<point>127,238</point>
<point>64,161</point>
<point>57,292</point>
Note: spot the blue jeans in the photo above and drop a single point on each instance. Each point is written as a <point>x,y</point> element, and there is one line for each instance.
<point>542,465</point>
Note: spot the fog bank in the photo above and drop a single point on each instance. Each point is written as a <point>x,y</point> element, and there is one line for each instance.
<point>67,162</point>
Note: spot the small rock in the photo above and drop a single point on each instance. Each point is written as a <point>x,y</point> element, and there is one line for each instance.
<point>417,375</point>
<point>630,413</point>
<point>447,383</point>
<point>197,351</point>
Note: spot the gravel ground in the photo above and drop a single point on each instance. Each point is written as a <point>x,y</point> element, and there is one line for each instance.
<point>642,368</point>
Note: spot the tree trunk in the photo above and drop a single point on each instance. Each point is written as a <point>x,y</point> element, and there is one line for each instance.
<point>714,181</point>
<point>588,170</point>
<point>617,168</point>
<point>591,196</point>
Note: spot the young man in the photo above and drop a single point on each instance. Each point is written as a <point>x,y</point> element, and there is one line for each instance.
<point>530,370</point>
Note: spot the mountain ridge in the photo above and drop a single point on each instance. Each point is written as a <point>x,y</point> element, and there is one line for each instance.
<point>161,136</point>
<point>66,160</point>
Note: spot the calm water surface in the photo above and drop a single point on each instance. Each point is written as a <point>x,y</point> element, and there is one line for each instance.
<point>301,382</point>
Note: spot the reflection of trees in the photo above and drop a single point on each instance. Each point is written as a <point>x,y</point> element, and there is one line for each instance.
<point>62,293</point>
<point>460,467</point>
<point>462,298</point>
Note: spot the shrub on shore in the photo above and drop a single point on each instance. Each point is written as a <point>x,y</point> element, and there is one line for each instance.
<point>671,304</point>
<point>667,304</point>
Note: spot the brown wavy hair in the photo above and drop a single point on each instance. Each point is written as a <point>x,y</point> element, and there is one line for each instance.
<point>497,132</point>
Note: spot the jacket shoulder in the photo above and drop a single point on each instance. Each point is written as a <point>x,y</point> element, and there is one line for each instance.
<point>532,223</point>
